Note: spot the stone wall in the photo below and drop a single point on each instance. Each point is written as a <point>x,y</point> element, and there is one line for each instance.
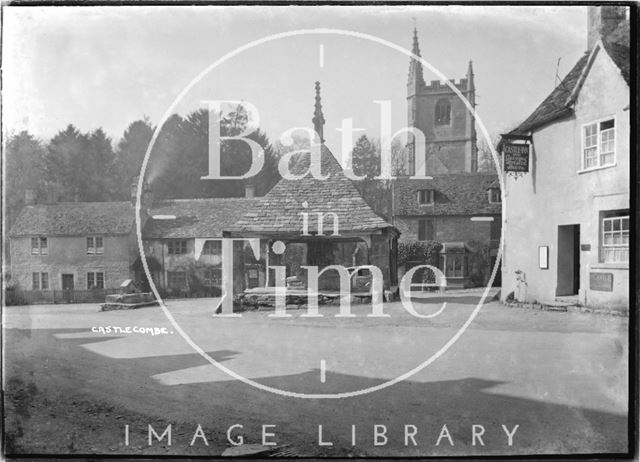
<point>447,228</point>
<point>558,192</point>
<point>68,255</point>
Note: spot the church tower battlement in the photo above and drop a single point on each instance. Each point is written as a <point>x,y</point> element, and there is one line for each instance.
<point>443,118</point>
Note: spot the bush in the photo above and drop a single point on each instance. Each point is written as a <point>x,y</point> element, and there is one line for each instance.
<point>479,263</point>
<point>426,251</point>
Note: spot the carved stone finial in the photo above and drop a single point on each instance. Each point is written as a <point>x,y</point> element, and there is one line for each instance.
<point>318,117</point>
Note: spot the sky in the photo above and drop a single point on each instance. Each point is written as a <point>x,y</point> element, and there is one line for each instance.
<point>108,66</point>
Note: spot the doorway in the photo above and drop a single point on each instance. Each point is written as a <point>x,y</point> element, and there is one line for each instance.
<point>568,282</point>
<point>67,287</point>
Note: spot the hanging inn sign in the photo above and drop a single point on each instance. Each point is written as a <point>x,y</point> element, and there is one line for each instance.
<point>515,153</point>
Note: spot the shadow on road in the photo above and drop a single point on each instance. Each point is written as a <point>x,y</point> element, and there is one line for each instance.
<point>63,371</point>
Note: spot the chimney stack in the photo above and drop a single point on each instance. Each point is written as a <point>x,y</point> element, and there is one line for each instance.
<point>146,197</point>
<point>249,191</point>
<point>29,196</point>
<point>602,20</point>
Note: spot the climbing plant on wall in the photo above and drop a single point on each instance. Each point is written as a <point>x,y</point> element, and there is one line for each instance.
<point>423,251</point>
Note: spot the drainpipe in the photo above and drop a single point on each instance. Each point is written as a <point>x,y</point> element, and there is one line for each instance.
<point>164,270</point>
<point>393,200</point>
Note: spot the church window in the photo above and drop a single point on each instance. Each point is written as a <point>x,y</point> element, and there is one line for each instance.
<point>443,112</point>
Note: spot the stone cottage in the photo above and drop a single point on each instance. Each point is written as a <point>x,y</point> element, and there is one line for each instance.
<point>568,222</point>
<point>60,250</point>
<point>460,211</point>
<point>182,244</point>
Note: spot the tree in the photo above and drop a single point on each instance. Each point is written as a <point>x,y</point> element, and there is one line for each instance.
<point>80,166</point>
<point>24,158</point>
<point>67,167</point>
<point>485,158</point>
<point>365,157</point>
<point>129,156</point>
<point>101,168</point>
<point>181,158</point>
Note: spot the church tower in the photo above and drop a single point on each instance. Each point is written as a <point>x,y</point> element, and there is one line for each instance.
<point>443,118</point>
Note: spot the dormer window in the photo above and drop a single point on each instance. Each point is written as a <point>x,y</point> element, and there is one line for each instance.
<point>443,112</point>
<point>426,196</point>
<point>494,196</point>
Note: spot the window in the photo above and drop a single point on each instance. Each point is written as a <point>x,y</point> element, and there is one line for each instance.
<point>426,196</point>
<point>494,195</point>
<point>39,246</point>
<point>426,230</point>
<point>212,248</point>
<point>177,279</point>
<point>496,229</point>
<point>212,277</point>
<point>177,247</point>
<point>44,249</point>
<point>455,265</point>
<point>40,281</point>
<point>95,280</point>
<point>443,112</point>
<point>615,239</point>
<point>598,144</point>
<point>95,245</point>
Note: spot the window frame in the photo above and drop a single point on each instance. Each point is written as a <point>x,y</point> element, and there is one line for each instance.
<point>611,216</point>
<point>172,244</point>
<point>39,248</point>
<point>498,195</point>
<point>39,280</point>
<point>436,120</point>
<point>430,196</point>
<point>212,247</point>
<point>426,221</point>
<point>597,122</point>
<point>93,277</point>
<point>495,229</point>
<point>448,262</point>
<point>92,245</point>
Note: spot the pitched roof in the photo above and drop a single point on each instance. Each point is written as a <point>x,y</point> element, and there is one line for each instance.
<point>74,219</point>
<point>558,103</point>
<point>455,194</point>
<point>195,217</point>
<point>279,212</point>
<point>621,56</point>
<point>554,106</point>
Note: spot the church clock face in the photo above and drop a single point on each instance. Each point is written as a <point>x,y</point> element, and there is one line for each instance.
<point>312,266</point>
